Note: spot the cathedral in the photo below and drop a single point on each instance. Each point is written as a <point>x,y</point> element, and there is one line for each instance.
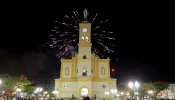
<point>85,74</point>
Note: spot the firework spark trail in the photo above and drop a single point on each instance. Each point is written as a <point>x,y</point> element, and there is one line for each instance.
<point>103,41</point>
<point>106,47</point>
<point>67,17</point>
<point>95,34</point>
<point>75,15</point>
<point>58,54</point>
<point>97,27</point>
<point>72,53</point>
<point>110,38</point>
<point>66,34</point>
<point>59,41</point>
<point>94,18</point>
<point>68,25</point>
<point>102,22</point>
<point>62,53</point>
<point>101,54</point>
<point>61,47</point>
<point>74,19</point>
<point>64,24</point>
<point>72,40</point>
<point>111,50</point>
<point>106,32</point>
<point>74,26</point>
<point>112,44</point>
<point>56,28</point>
<point>98,39</point>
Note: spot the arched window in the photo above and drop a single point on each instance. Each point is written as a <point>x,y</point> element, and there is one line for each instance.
<point>67,71</point>
<point>84,72</point>
<point>84,57</point>
<point>102,70</point>
<point>84,92</point>
<point>87,38</point>
<point>82,38</point>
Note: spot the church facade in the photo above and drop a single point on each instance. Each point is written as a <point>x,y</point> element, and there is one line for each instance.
<point>85,74</point>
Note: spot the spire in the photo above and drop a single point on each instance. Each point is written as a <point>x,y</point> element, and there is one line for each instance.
<point>85,12</point>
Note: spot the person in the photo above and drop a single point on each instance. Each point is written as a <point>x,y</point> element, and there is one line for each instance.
<point>86,98</point>
<point>1,98</point>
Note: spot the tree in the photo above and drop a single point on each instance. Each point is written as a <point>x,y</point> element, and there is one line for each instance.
<point>29,89</point>
<point>49,90</point>
<point>22,84</point>
<point>159,87</point>
<point>122,88</point>
<point>155,87</point>
<point>144,88</point>
<point>10,83</point>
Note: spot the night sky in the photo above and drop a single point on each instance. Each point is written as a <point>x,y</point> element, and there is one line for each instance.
<point>144,39</point>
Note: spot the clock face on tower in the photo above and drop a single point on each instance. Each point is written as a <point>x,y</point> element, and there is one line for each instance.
<point>84,30</point>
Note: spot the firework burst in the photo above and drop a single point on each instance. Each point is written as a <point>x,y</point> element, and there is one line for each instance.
<point>65,35</point>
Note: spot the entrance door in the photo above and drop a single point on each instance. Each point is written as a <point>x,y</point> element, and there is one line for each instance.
<point>84,92</point>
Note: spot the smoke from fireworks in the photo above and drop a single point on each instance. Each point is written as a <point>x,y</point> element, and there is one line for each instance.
<point>65,35</point>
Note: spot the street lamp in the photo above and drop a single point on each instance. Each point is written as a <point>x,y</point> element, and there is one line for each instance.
<point>0,85</point>
<point>114,91</point>
<point>18,90</point>
<point>150,92</point>
<point>45,92</point>
<point>134,86</point>
<point>55,92</point>
<point>121,93</point>
<point>38,89</point>
<point>107,93</point>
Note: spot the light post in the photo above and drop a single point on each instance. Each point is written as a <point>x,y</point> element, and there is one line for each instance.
<point>55,92</point>
<point>45,94</point>
<point>38,90</point>
<point>150,92</point>
<point>0,85</point>
<point>114,91</point>
<point>127,95</point>
<point>134,86</point>
<point>18,90</point>
<point>122,95</point>
<point>107,93</point>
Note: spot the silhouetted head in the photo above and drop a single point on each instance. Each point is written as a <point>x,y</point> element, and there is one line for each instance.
<point>86,98</point>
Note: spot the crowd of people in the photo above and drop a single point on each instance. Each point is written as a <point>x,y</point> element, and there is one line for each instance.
<point>31,98</point>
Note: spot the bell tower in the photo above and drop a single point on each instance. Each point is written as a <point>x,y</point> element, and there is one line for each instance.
<point>84,32</point>
<point>84,58</point>
<point>84,45</point>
